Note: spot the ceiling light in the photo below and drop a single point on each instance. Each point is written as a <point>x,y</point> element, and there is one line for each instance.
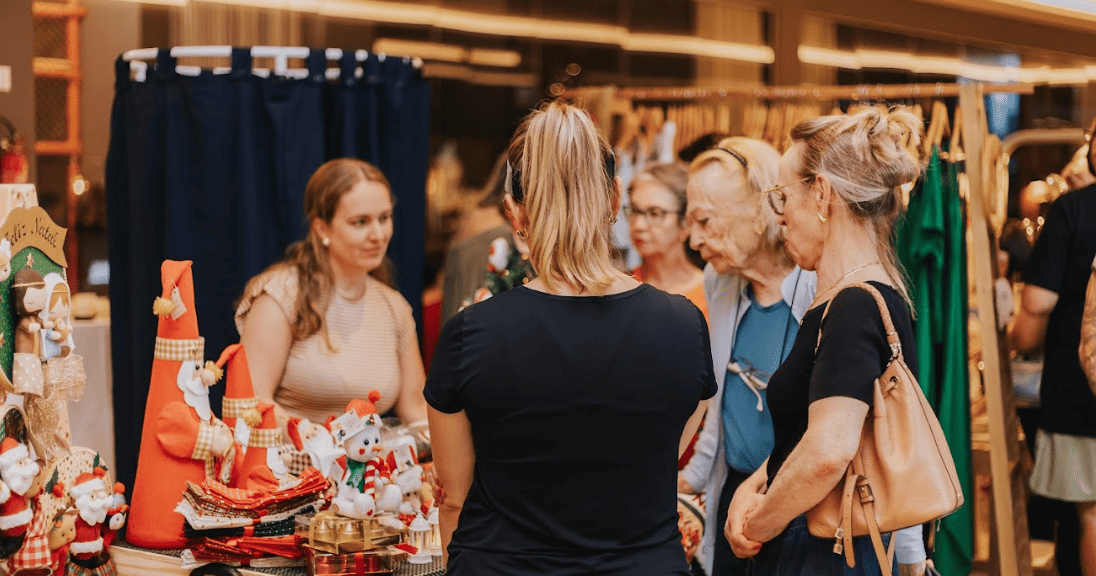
<point>859,59</point>
<point>505,25</point>
<point>448,52</point>
<point>500,58</point>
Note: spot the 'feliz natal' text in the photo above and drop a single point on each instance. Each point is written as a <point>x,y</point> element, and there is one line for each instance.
<point>43,228</point>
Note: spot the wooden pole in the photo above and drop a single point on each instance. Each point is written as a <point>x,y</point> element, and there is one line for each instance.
<point>1013,549</point>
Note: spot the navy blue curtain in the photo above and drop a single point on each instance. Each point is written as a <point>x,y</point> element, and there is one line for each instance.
<point>212,168</point>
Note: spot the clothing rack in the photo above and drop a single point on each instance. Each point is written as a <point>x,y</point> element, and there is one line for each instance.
<point>805,92</point>
<point>280,54</point>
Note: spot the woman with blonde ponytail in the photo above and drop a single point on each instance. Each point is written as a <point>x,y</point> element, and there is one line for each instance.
<point>322,327</point>
<point>558,408</point>
<point>838,195</point>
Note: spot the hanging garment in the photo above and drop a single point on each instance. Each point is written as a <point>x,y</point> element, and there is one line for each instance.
<point>931,245</point>
<point>955,540</point>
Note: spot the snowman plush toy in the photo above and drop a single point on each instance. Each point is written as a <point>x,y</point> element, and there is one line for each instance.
<point>359,429</point>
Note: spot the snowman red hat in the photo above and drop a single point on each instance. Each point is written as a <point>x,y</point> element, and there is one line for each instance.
<point>85,484</point>
<point>11,451</point>
<point>365,409</point>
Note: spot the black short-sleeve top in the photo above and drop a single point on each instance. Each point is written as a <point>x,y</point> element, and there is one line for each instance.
<point>577,406</point>
<point>1061,262</point>
<point>852,353</point>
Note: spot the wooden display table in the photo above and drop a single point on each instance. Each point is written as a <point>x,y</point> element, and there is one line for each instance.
<point>132,561</point>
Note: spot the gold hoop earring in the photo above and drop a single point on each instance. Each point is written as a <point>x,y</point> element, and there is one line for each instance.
<point>822,218</point>
<point>326,241</point>
<point>612,220</point>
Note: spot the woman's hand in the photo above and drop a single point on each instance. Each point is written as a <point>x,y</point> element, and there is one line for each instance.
<point>758,528</point>
<point>744,503</point>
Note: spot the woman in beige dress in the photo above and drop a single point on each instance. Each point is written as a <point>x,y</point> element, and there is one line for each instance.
<point>322,327</point>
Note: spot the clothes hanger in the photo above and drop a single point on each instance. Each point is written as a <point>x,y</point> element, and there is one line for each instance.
<point>955,149</point>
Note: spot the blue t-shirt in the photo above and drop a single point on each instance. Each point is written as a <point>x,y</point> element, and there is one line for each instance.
<point>764,333</point>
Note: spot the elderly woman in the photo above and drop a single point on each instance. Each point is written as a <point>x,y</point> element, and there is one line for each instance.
<point>656,219</point>
<point>838,197</point>
<point>756,297</point>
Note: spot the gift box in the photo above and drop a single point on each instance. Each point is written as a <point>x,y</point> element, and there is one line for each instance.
<point>334,534</point>
<point>367,562</point>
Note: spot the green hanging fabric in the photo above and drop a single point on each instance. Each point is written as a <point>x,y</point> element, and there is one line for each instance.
<point>931,245</point>
<point>955,541</point>
<point>921,249</point>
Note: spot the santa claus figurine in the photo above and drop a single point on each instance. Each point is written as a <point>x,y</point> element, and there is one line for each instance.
<point>92,502</point>
<point>263,468</point>
<point>406,473</point>
<point>181,440</point>
<point>360,429</point>
<point>317,441</point>
<point>239,395</point>
<point>17,471</point>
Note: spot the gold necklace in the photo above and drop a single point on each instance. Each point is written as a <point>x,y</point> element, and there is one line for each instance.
<point>838,281</point>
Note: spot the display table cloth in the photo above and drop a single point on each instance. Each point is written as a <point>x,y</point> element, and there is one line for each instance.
<point>92,418</point>
<point>133,561</point>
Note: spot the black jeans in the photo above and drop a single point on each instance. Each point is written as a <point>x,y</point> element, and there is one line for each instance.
<point>724,562</point>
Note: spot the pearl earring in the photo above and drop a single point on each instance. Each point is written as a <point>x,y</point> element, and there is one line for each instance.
<point>326,241</point>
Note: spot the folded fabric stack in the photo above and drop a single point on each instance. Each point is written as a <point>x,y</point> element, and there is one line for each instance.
<point>232,525</point>
<point>250,551</point>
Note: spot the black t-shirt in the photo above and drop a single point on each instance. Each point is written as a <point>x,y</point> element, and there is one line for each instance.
<point>1061,262</point>
<point>577,406</point>
<point>853,353</point>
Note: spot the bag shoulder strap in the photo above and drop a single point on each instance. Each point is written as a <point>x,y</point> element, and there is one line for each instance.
<point>888,324</point>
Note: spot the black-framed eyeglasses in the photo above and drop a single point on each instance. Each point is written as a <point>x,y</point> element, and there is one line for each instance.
<point>653,215</point>
<point>777,197</point>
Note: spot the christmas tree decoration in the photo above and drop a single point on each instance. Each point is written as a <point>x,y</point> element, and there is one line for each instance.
<point>181,440</point>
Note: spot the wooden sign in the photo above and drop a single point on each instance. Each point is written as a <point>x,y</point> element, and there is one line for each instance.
<point>32,227</point>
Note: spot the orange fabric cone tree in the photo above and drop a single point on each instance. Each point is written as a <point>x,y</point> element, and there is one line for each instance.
<point>239,395</point>
<point>181,439</point>
<point>262,467</point>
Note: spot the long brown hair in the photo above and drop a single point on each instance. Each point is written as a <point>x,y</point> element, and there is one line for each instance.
<point>308,256</point>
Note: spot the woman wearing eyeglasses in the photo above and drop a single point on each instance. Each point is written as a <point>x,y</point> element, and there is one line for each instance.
<point>838,197</point>
<point>557,408</point>
<point>656,219</point>
<point>755,297</point>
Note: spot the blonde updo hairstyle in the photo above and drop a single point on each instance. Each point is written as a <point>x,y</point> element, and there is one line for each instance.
<point>567,194</point>
<point>867,158</point>
<point>758,174</point>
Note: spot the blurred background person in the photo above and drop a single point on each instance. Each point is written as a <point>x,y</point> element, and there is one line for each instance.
<point>656,220</point>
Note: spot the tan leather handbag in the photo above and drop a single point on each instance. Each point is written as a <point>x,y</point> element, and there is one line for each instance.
<point>903,474</point>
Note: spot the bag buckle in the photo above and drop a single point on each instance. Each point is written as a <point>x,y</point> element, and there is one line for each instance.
<point>865,492</point>
<point>839,545</point>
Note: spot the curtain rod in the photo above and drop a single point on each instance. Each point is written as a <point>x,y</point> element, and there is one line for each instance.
<point>806,92</point>
<point>280,54</point>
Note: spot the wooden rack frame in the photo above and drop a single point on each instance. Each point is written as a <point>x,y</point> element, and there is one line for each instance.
<point>845,92</point>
